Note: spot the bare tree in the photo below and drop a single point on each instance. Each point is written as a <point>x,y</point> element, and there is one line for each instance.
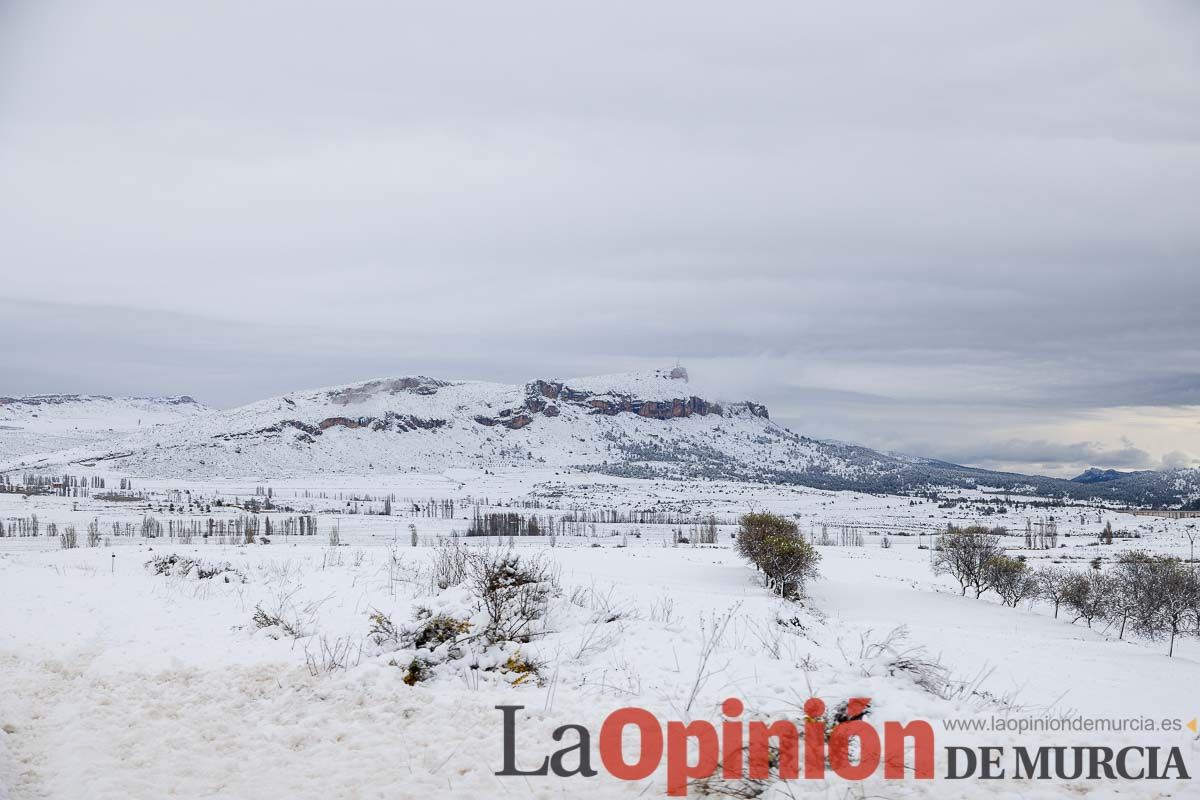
<point>964,553</point>
<point>1052,585</point>
<point>1082,597</point>
<point>1012,579</point>
<point>1170,600</point>
<point>1126,590</point>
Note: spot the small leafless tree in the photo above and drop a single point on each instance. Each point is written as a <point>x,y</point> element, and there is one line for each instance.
<point>1119,597</point>
<point>964,554</point>
<point>1082,597</point>
<point>1012,579</point>
<point>1052,585</point>
<point>1169,600</point>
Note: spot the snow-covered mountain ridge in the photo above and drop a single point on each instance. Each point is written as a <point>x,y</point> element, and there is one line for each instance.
<point>648,424</point>
<point>47,423</point>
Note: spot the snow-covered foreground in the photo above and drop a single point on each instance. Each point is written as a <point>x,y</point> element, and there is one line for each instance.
<point>122,683</point>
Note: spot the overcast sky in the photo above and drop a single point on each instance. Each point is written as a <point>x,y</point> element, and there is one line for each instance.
<point>968,230</point>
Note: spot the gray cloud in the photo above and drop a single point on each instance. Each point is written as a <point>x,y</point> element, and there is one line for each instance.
<point>908,234</point>
<point>1052,455</point>
<point>1176,459</point>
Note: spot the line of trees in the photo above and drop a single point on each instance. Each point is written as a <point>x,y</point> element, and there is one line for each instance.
<point>1154,596</point>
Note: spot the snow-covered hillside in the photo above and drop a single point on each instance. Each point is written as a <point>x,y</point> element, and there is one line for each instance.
<point>416,422</point>
<point>41,424</point>
<point>653,424</point>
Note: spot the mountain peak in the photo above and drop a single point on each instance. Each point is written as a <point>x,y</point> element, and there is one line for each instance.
<point>1097,475</point>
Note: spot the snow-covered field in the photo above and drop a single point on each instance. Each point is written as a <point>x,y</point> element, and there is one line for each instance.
<point>266,681</point>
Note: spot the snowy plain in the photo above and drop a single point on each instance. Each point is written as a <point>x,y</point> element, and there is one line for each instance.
<point>124,683</point>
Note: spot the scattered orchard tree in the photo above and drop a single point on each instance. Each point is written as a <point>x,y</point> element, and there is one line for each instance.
<point>964,554</point>
<point>774,545</point>
<point>1052,585</point>
<point>1012,579</point>
<point>1082,597</point>
<point>1170,600</point>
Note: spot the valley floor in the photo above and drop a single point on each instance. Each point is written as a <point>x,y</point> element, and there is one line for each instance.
<point>122,683</point>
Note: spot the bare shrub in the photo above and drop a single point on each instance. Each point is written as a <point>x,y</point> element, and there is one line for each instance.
<point>514,591</point>
<point>524,669</point>
<point>663,610</point>
<point>894,655</point>
<point>275,619</point>
<point>419,669</point>
<point>607,605</point>
<point>331,656</point>
<point>282,614</point>
<point>450,565</point>
<point>383,630</point>
<point>435,630</point>
<point>716,785</point>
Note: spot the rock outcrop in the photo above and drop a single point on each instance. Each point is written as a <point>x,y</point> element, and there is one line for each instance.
<point>417,385</point>
<point>307,432</point>
<point>546,398</point>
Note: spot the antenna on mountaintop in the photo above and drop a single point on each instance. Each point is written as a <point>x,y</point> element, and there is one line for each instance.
<point>679,372</point>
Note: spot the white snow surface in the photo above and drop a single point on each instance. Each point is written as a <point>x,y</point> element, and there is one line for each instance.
<point>117,682</point>
<point>41,424</point>
<point>120,683</point>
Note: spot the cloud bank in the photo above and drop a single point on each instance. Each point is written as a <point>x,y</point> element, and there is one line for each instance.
<point>963,230</point>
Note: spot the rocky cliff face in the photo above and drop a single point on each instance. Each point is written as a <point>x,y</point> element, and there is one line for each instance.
<point>545,398</point>
<point>419,385</point>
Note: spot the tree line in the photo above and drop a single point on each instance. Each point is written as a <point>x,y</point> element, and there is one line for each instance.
<point>1154,596</point>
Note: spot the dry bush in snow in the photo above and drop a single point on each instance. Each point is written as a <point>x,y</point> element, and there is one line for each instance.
<point>514,592</point>
<point>774,545</point>
<point>449,566</point>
